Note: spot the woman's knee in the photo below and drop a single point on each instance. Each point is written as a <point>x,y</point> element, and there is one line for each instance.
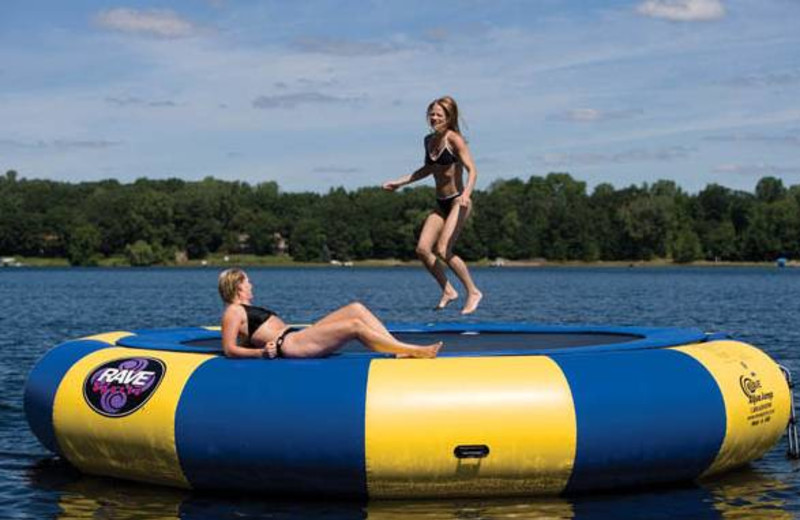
<point>443,251</point>
<point>355,326</point>
<point>357,307</point>
<point>423,252</point>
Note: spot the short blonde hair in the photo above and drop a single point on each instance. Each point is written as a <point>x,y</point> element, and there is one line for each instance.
<point>229,281</point>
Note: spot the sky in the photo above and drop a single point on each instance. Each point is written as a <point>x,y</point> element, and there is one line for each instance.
<point>319,94</point>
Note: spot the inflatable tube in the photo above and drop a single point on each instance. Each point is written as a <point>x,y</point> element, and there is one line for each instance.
<point>507,409</point>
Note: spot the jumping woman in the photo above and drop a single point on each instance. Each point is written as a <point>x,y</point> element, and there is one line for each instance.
<point>446,157</point>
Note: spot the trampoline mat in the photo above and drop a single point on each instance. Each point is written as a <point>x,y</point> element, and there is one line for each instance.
<point>484,341</point>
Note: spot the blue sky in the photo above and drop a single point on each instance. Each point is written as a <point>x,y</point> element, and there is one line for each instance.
<point>319,94</point>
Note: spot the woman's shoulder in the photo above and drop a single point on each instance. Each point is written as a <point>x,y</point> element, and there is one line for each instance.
<point>451,136</point>
<point>233,310</point>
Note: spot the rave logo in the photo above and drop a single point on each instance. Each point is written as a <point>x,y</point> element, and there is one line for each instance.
<point>119,388</point>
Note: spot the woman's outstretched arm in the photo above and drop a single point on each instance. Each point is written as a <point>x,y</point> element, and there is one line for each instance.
<point>408,179</point>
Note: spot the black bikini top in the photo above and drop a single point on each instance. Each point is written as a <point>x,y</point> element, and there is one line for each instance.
<point>256,317</point>
<point>445,157</point>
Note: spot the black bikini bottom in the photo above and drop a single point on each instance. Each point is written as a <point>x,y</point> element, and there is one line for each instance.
<point>446,204</point>
<point>280,339</point>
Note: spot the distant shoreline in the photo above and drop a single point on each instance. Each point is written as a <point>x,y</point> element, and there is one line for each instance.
<point>221,261</point>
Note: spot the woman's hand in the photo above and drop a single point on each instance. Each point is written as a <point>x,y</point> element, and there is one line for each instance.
<point>270,350</point>
<point>391,185</point>
<point>464,200</point>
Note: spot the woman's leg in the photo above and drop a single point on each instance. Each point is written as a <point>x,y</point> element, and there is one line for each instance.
<point>322,339</point>
<point>431,230</point>
<point>444,248</point>
<point>355,310</point>
<point>358,310</point>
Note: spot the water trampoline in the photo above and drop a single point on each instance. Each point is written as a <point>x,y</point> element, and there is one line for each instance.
<point>507,409</point>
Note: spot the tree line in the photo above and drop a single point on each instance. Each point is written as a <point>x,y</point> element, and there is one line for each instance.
<point>552,217</point>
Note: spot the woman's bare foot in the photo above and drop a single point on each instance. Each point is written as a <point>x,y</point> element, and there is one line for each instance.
<point>426,352</point>
<point>473,299</point>
<point>448,295</point>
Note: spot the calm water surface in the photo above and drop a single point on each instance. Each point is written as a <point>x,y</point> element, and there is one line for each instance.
<point>41,308</point>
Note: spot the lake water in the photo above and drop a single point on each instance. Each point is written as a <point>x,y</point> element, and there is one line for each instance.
<point>40,308</point>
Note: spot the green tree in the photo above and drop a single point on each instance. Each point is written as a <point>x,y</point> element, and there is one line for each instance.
<point>83,244</point>
<point>719,241</point>
<point>649,223</point>
<point>770,189</point>
<point>140,254</point>
<point>498,222</point>
<point>307,242</point>
<point>605,202</point>
<point>570,231</point>
<point>686,246</point>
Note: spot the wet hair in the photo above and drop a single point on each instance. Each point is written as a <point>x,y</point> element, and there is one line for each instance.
<point>450,108</point>
<point>229,282</point>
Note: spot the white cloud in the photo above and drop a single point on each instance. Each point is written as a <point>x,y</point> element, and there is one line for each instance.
<point>157,22</point>
<point>88,144</point>
<point>683,10</point>
<point>343,47</point>
<point>336,169</point>
<point>133,100</point>
<point>302,98</point>
<point>760,169</point>
<point>589,115</point>
<point>583,114</point>
<point>792,139</point>
<point>772,79</point>
<point>628,156</point>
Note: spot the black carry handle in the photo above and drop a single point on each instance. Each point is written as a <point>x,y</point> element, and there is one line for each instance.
<point>471,451</point>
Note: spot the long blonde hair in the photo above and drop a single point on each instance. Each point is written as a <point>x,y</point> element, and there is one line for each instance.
<point>450,108</point>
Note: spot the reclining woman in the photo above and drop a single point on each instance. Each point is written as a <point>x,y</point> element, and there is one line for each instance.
<point>264,334</point>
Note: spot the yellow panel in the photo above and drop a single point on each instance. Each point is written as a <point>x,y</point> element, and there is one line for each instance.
<point>757,400</point>
<point>110,337</point>
<point>418,411</point>
<point>139,446</point>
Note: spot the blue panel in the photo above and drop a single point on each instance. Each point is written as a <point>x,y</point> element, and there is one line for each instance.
<point>42,384</point>
<point>287,426</point>
<point>653,415</point>
<point>172,339</point>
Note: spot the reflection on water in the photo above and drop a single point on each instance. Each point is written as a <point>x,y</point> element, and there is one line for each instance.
<point>83,497</point>
<point>748,494</point>
<point>453,509</point>
<point>742,494</point>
